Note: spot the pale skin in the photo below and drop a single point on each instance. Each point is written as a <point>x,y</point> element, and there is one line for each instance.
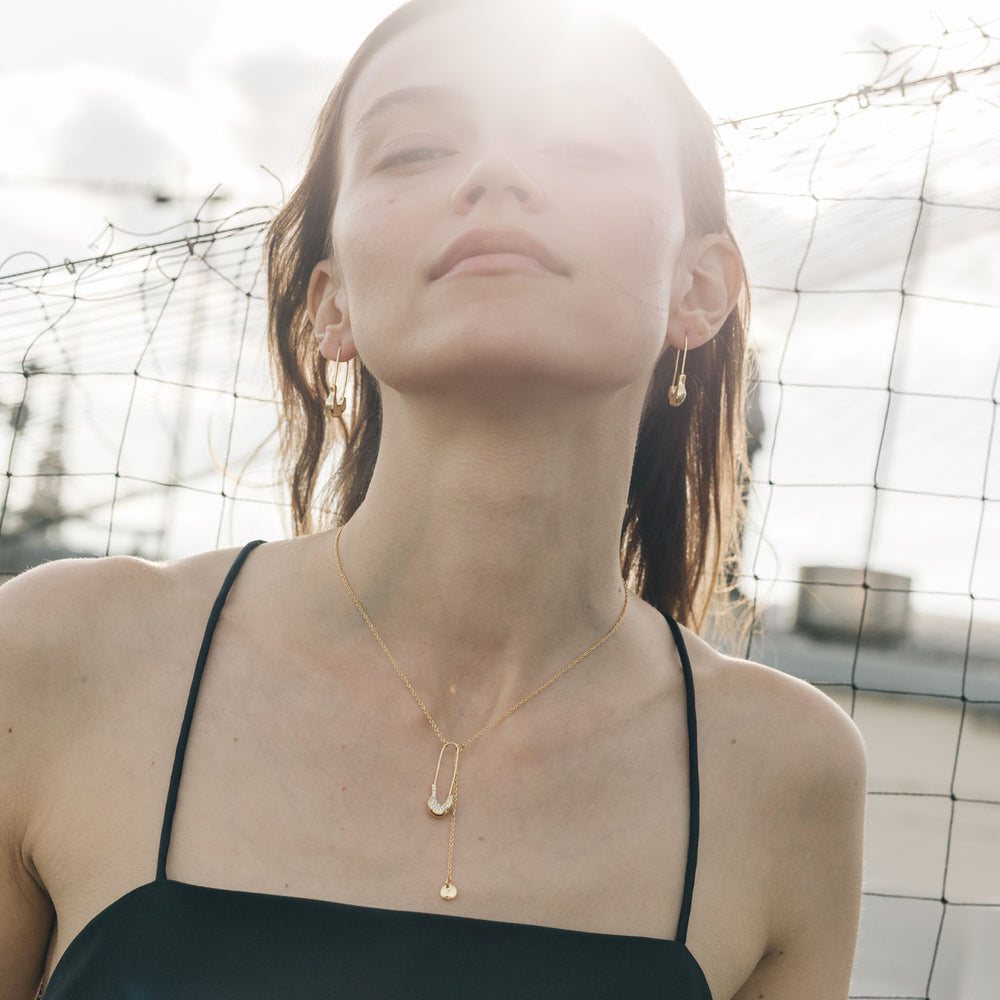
<point>486,551</point>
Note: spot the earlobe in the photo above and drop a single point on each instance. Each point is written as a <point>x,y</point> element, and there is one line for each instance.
<point>712,281</point>
<point>326,304</point>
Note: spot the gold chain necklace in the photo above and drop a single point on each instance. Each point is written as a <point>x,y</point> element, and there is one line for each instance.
<point>450,805</point>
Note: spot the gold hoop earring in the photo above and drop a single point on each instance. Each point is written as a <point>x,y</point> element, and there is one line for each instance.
<point>334,403</point>
<point>678,388</point>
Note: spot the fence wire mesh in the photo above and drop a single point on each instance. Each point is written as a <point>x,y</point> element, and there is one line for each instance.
<point>139,419</point>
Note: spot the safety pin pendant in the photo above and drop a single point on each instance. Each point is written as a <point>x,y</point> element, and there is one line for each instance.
<point>443,808</point>
<point>336,401</point>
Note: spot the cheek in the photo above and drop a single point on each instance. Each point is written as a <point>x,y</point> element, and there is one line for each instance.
<point>357,224</point>
<point>639,236</point>
<point>369,243</point>
<point>379,240</point>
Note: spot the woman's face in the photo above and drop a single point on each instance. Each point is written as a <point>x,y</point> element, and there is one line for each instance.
<point>509,207</point>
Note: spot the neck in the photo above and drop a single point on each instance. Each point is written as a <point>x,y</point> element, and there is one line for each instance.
<point>486,551</point>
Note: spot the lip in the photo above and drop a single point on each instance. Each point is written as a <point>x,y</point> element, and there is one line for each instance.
<point>502,247</point>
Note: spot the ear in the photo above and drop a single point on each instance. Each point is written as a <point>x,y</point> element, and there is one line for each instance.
<point>707,289</point>
<point>326,303</point>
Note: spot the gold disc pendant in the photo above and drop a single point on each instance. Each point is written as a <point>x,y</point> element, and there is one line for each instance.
<point>448,891</point>
<point>437,808</point>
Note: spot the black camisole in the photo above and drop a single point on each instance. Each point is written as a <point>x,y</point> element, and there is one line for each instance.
<point>169,940</point>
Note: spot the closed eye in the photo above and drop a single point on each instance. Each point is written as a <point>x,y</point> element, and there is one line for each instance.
<point>413,156</point>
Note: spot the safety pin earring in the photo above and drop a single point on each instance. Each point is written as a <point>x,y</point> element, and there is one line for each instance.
<point>334,403</point>
<point>678,388</point>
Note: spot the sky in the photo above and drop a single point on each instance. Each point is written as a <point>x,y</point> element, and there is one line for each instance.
<point>103,108</point>
<point>104,105</point>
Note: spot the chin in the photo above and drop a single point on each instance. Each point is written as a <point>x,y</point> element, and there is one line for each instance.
<point>491,371</point>
<point>493,343</point>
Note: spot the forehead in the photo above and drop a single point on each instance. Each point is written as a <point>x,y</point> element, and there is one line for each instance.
<point>505,61</point>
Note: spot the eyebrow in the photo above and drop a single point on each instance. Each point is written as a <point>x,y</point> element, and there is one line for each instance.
<point>403,96</point>
<point>428,94</point>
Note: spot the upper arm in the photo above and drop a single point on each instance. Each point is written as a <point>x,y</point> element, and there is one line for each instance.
<point>50,643</point>
<point>26,913</point>
<point>72,634</point>
<point>818,836</point>
<point>25,925</point>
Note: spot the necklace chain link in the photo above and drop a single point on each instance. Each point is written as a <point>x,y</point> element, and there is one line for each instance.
<point>448,890</point>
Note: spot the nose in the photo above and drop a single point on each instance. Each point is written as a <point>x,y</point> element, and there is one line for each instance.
<point>494,178</point>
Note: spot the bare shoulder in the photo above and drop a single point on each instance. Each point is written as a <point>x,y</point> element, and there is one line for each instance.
<point>72,630</point>
<point>786,774</point>
<point>66,614</point>
<point>789,729</point>
<point>71,661</point>
<point>77,635</point>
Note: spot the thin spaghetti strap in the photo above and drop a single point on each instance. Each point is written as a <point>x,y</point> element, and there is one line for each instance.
<point>693,785</point>
<point>175,774</point>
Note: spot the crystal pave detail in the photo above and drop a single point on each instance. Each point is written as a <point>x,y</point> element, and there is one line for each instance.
<point>437,808</point>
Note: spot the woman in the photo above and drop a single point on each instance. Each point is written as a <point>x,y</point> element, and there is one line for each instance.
<point>513,228</point>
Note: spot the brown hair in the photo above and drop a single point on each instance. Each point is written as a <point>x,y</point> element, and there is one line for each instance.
<point>684,497</point>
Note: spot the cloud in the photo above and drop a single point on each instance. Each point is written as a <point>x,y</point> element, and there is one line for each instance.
<point>276,95</point>
<point>109,136</point>
<point>87,123</point>
<point>94,144</point>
